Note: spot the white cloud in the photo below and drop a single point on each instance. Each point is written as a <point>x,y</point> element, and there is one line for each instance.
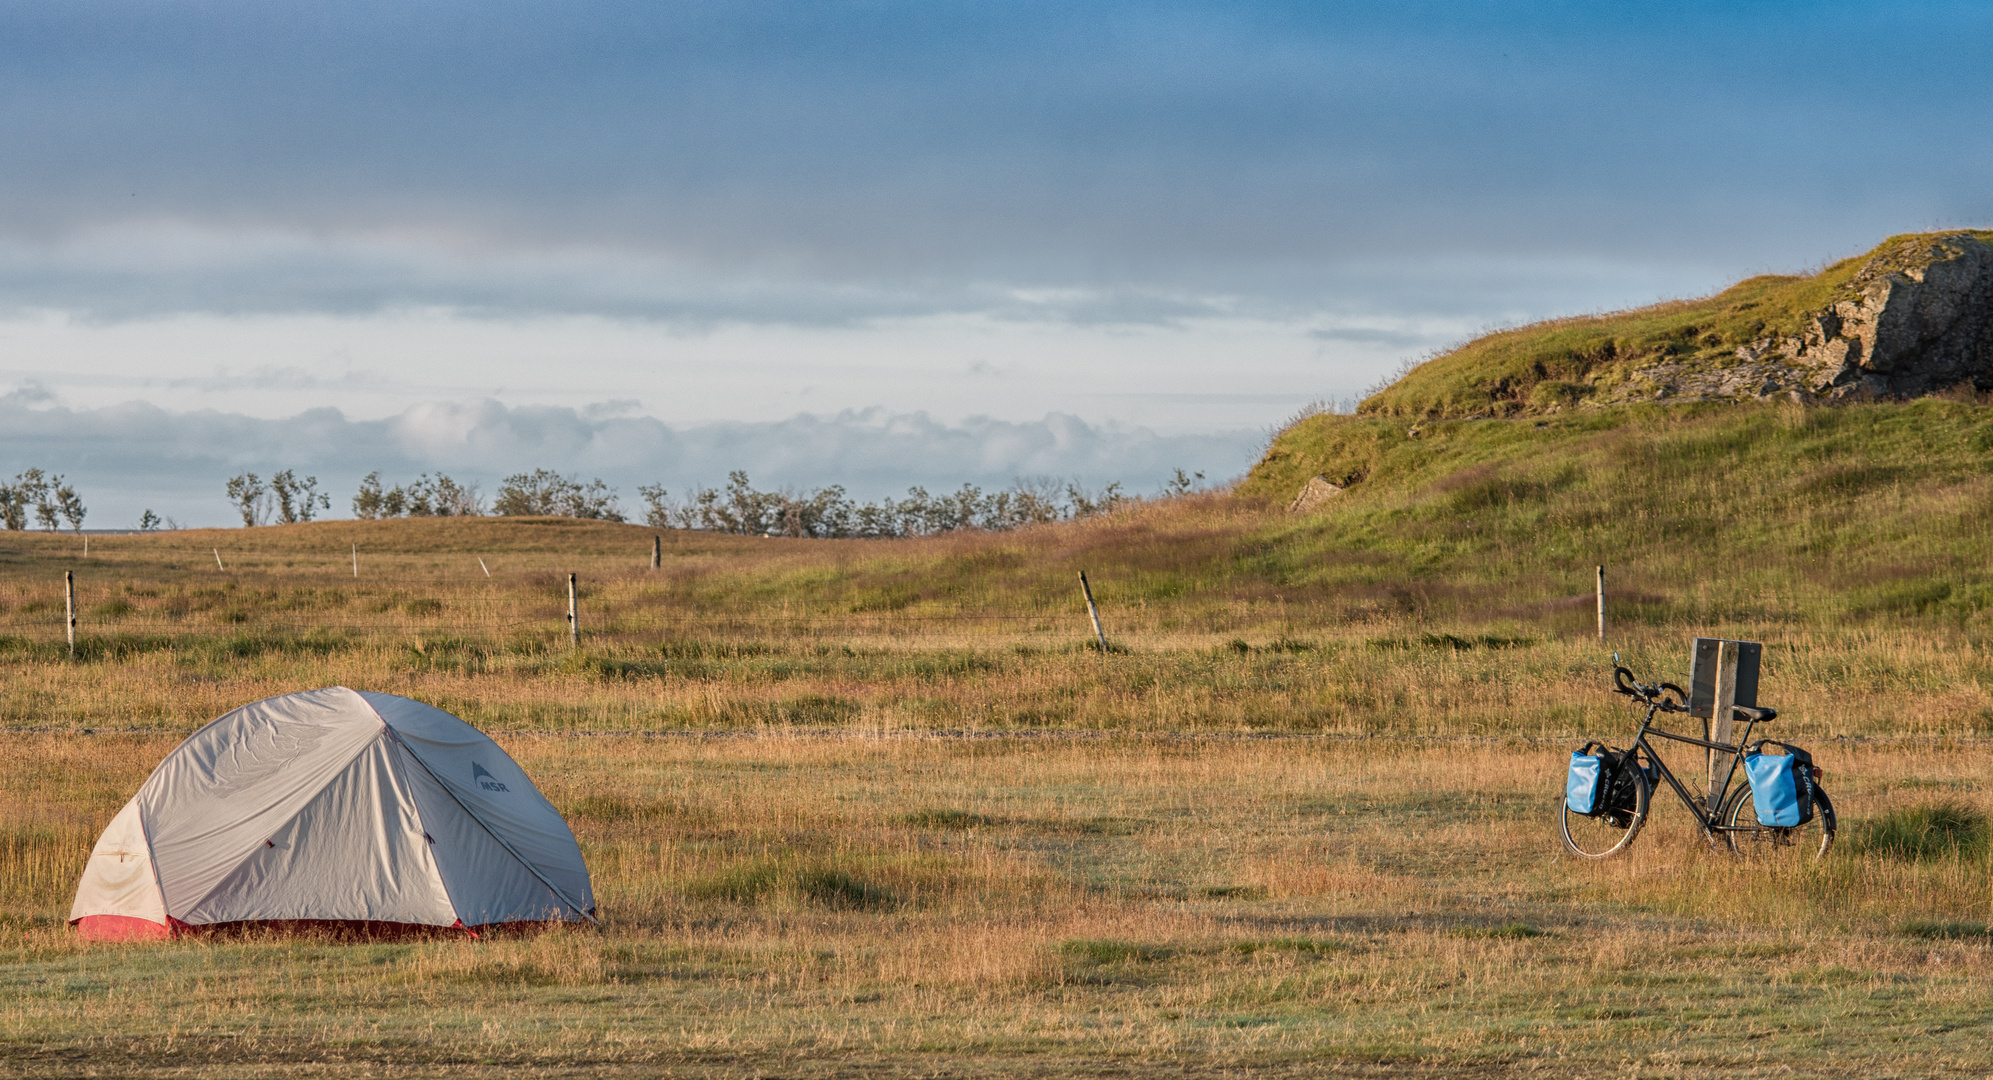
<point>951,367</point>
<point>134,456</point>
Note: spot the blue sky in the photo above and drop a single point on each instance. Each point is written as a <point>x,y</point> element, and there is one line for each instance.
<point>885,243</point>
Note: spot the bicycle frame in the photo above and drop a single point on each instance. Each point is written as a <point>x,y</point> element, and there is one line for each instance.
<point>1706,816</point>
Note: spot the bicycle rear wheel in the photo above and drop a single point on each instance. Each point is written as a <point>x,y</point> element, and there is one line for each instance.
<point>1776,843</point>
<point>1607,834</point>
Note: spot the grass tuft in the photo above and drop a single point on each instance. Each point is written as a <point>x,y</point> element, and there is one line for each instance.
<point>947,819</point>
<point>1932,930</point>
<point>1302,946</point>
<point>1945,829</point>
<point>1106,952</point>
<point>1515,931</point>
<point>772,881</point>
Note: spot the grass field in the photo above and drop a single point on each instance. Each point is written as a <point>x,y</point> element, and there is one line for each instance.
<point>858,808</point>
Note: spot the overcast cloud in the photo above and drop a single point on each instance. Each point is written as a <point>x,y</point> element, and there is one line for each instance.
<point>1181,218</point>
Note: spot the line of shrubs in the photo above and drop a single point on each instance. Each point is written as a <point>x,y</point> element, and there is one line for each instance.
<point>739,508</point>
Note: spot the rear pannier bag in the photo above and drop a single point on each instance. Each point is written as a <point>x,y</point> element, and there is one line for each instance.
<point>1586,786</point>
<point>1781,786</point>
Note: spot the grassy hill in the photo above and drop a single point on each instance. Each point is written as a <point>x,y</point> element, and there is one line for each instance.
<point>1815,514</point>
<point>1545,366</point>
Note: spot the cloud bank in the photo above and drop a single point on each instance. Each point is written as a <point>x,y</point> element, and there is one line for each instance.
<point>135,456</point>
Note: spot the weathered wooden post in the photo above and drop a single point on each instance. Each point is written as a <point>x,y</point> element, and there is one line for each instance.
<point>356,560</point>
<point>656,550</point>
<point>1723,674</point>
<point>573,617</point>
<point>1093,612</point>
<point>69,607</point>
<point>1601,603</point>
<point>218,564</point>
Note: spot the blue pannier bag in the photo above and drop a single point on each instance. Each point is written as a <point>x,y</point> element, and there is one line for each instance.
<point>1781,786</point>
<point>1581,788</point>
<point>1585,787</point>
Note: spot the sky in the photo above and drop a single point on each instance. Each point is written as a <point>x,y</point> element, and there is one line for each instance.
<point>885,243</point>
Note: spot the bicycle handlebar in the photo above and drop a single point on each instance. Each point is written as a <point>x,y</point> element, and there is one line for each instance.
<point>1623,682</point>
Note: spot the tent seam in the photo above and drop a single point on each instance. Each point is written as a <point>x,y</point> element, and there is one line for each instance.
<point>236,868</point>
<point>415,807</point>
<point>414,804</point>
<point>493,833</point>
<point>145,831</point>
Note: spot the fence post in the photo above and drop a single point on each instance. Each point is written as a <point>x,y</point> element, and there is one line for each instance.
<point>218,564</point>
<point>356,560</point>
<point>1720,719</point>
<point>69,606</point>
<point>573,617</point>
<point>1723,673</point>
<point>656,550</point>
<point>1093,612</point>
<point>1601,603</point>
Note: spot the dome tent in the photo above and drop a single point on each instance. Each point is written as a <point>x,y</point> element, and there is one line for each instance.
<point>335,808</point>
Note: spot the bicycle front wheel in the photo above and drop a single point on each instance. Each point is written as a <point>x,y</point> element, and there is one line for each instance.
<point>1604,835</point>
<point>1773,842</point>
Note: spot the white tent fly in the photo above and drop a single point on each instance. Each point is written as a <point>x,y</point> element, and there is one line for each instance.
<point>333,808</point>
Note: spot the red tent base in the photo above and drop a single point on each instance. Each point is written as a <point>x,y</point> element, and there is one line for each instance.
<point>121,928</point>
<point>126,928</point>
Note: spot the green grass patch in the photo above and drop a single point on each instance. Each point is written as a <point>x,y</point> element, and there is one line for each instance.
<point>1296,945</point>
<point>1106,952</point>
<point>764,881</point>
<point>1933,930</point>
<point>1514,931</point>
<point>1944,829</point>
<point>947,819</point>
<point>1452,642</point>
<point>1232,892</point>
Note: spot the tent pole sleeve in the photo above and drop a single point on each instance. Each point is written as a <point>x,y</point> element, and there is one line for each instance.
<point>530,868</point>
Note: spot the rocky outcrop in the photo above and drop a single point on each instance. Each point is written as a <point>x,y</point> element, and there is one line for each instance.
<point>1315,494</point>
<point>1916,319</point>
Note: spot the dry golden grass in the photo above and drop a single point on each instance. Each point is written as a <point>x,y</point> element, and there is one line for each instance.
<point>835,839</point>
<point>1211,903</point>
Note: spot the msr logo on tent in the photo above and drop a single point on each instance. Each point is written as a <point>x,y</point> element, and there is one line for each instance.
<point>485,780</point>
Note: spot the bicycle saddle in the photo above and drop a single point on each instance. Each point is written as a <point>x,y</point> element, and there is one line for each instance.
<point>1756,716</point>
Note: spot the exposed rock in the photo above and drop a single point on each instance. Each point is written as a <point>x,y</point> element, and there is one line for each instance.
<point>1917,319</point>
<point>1313,495</point>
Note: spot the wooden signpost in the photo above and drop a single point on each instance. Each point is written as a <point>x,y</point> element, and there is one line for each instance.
<point>1093,613</point>
<point>1601,603</point>
<point>573,617</point>
<point>1723,673</point>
